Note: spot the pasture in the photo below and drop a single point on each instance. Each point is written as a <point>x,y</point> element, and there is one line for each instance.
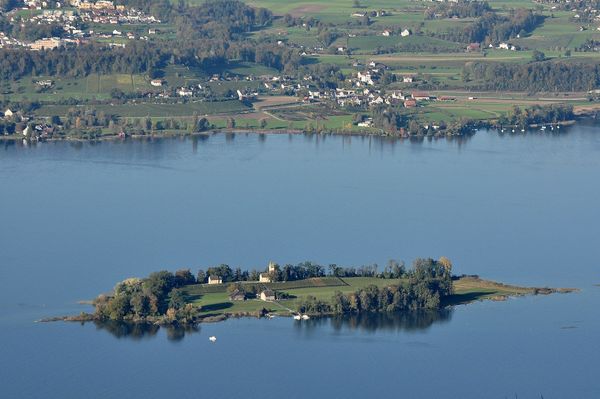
<point>215,299</point>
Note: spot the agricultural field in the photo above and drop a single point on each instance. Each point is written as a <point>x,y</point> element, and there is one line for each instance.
<point>214,299</point>
<point>141,110</point>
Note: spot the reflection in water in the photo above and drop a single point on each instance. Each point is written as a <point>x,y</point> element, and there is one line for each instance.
<point>399,322</point>
<point>372,322</point>
<point>138,331</point>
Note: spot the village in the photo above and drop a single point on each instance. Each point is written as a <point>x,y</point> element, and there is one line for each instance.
<point>78,22</point>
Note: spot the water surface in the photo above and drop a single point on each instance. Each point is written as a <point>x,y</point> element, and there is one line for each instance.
<point>76,218</point>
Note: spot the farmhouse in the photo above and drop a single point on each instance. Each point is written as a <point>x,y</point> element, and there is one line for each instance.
<point>264,278</point>
<point>215,280</point>
<point>156,82</point>
<point>405,33</point>
<point>237,295</point>
<point>473,47</point>
<point>267,295</point>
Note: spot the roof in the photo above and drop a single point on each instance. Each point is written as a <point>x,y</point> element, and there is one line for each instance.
<point>268,292</point>
<point>213,277</point>
<point>237,293</point>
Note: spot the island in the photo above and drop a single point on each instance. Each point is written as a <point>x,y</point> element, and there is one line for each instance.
<point>304,290</point>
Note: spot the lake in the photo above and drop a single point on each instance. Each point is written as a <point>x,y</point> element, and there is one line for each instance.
<point>525,209</point>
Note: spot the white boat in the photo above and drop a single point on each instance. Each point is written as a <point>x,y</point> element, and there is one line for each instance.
<point>522,130</point>
<point>297,317</point>
<point>305,317</point>
<point>543,128</point>
<point>212,338</point>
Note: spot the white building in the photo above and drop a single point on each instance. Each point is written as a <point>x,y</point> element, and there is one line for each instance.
<point>215,280</point>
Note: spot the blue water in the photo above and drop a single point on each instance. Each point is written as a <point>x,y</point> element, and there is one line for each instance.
<point>76,218</point>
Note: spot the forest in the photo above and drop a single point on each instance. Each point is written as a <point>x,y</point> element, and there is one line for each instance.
<point>541,76</point>
<point>208,35</point>
<point>494,28</point>
<point>429,281</point>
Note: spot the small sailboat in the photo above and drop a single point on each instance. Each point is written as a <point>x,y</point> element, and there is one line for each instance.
<point>212,338</point>
<point>305,317</point>
<point>297,317</point>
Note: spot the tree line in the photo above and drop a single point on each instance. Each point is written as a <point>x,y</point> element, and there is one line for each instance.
<point>538,114</point>
<point>461,9</point>
<point>429,282</point>
<point>534,76</point>
<point>495,28</point>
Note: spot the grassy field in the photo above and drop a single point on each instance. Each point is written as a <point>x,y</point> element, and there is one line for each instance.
<point>140,110</point>
<point>215,299</point>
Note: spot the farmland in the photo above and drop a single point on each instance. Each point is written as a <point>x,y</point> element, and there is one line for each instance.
<point>214,299</point>
<point>320,47</point>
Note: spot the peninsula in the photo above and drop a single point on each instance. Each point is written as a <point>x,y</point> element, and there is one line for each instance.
<point>166,298</point>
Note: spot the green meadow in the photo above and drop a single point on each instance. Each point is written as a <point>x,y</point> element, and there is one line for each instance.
<point>214,299</point>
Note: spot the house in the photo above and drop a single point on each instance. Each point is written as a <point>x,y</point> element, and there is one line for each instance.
<point>504,46</point>
<point>407,79</point>
<point>417,95</point>
<point>376,101</point>
<point>156,82</point>
<point>184,92</point>
<point>473,47</point>
<point>8,113</point>
<point>215,280</point>
<point>237,295</point>
<point>264,278</point>
<point>46,44</point>
<point>267,295</point>
<point>405,33</point>
<point>396,95</point>
<point>365,78</point>
<point>386,33</point>
<point>366,123</point>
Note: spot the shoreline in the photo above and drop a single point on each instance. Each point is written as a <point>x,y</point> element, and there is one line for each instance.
<point>474,127</point>
<point>464,297</point>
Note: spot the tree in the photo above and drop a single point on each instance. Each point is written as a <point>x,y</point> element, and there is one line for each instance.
<point>177,299</point>
<point>203,125</point>
<point>446,263</point>
<point>538,56</point>
<point>263,123</point>
<point>184,277</point>
<point>201,277</point>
